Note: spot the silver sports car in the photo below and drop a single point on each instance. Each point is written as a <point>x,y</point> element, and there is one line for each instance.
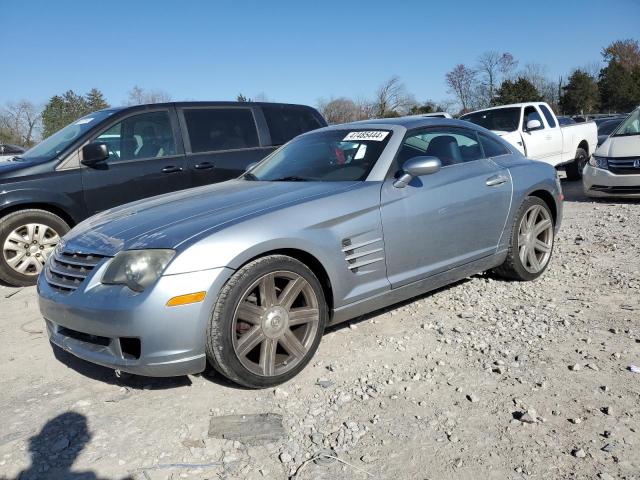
<point>341,221</point>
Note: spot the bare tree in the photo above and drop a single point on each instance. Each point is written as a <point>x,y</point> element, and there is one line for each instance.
<point>537,75</point>
<point>21,121</point>
<point>461,82</point>
<point>392,99</point>
<point>261,97</point>
<point>138,96</point>
<point>492,68</point>
<point>338,110</point>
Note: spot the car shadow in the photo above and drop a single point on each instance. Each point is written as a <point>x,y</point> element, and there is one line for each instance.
<point>55,448</point>
<point>108,375</point>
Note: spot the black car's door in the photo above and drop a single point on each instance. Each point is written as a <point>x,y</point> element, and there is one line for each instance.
<point>220,142</point>
<point>146,158</point>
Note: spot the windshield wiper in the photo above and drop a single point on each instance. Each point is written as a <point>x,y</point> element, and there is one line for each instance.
<point>629,134</point>
<point>291,178</point>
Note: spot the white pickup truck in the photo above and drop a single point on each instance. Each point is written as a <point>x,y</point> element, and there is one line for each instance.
<point>534,130</point>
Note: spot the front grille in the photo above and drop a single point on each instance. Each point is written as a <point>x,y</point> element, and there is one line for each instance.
<point>624,165</point>
<point>65,271</point>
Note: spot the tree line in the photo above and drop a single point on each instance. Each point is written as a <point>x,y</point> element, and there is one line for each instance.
<point>609,85</point>
<point>23,123</point>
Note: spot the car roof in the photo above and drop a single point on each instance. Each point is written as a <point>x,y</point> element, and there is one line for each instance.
<point>408,122</point>
<point>213,103</point>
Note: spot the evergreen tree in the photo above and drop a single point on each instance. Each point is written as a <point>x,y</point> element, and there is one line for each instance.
<point>520,90</point>
<point>580,94</point>
<point>95,100</point>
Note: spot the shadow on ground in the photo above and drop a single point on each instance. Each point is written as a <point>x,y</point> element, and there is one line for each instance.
<point>56,447</point>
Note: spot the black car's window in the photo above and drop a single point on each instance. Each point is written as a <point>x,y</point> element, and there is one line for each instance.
<point>606,128</point>
<point>548,115</point>
<point>148,135</point>
<point>450,145</point>
<point>287,122</point>
<point>502,119</point>
<point>214,129</point>
<point>329,156</point>
<point>492,147</point>
<point>530,113</point>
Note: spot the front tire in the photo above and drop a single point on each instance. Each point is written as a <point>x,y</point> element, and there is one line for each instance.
<point>267,322</point>
<point>531,243</point>
<point>27,238</point>
<point>574,169</point>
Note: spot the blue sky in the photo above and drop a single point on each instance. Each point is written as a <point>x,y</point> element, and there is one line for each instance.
<point>293,51</point>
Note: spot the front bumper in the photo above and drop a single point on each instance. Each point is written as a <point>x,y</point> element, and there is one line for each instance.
<point>598,182</point>
<point>137,333</point>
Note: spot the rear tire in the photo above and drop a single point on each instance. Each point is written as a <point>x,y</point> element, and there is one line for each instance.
<point>27,238</point>
<point>267,322</point>
<point>574,169</point>
<point>531,243</point>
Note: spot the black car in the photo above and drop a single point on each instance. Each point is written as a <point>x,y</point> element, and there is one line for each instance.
<point>8,151</point>
<point>606,127</point>
<point>119,155</point>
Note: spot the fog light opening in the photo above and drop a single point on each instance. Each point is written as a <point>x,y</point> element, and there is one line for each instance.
<point>131,347</point>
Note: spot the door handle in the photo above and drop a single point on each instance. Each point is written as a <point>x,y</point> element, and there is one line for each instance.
<point>204,166</point>
<point>496,180</point>
<point>171,169</point>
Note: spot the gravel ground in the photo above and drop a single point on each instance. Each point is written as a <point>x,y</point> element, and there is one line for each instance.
<point>483,379</point>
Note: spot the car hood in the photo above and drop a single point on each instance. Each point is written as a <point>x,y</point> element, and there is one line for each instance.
<point>175,220</point>
<point>620,147</point>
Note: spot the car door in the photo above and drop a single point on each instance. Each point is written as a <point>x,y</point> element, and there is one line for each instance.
<point>446,219</point>
<point>145,159</point>
<point>543,143</point>
<point>220,142</point>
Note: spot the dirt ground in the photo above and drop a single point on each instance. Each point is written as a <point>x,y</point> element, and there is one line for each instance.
<point>485,379</point>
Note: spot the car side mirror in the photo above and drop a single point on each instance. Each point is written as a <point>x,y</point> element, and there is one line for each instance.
<point>533,125</point>
<point>417,167</point>
<point>94,153</point>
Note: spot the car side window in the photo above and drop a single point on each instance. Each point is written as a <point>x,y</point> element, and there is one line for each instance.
<point>492,147</point>
<point>147,135</point>
<point>215,129</point>
<point>530,113</point>
<point>548,115</point>
<point>286,122</point>
<point>450,145</point>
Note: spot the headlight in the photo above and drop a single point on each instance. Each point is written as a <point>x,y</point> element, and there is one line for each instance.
<point>599,162</point>
<point>137,269</point>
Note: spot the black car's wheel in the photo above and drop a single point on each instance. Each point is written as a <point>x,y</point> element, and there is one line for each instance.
<point>531,242</point>
<point>27,238</point>
<point>574,169</point>
<point>267,322</point>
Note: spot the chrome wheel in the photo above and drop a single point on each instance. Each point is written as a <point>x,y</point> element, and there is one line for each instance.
<point>275,323</point>
<point>27,247</point>
<point>535,239</point>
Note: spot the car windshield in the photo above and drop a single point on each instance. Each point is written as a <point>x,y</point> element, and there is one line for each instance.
<point>327,156</point>
<point>500,119</point>
<point>52,146</point>
<point>630,126</point>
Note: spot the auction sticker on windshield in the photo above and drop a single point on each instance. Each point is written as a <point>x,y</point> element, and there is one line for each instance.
<point>374,135</point>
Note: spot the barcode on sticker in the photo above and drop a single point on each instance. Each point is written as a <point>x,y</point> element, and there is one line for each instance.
<point>372,135</point>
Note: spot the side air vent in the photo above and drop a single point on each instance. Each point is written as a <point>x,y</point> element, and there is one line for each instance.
<point>361,253</point>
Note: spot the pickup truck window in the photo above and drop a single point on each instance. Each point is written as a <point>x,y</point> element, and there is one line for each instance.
<point>548,115</point>
<point>148,135</point>
<point>500,119</point>
<point>214,129</point>
<point>530,113</point>
<point>491,147</point>
<point>286,122</point>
